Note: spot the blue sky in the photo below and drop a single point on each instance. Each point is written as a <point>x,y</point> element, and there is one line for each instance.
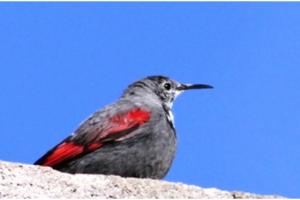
<point>62,61</point>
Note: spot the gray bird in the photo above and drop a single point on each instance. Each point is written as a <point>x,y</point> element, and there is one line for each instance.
<point>133,137</point>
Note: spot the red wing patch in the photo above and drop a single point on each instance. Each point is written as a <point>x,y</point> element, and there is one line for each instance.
<point>138,116</point>
<point>126,121</point>
<point>64,151</point>
<point>122,123</point>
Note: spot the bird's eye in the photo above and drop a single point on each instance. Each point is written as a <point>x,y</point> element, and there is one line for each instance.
<point>167,86</point>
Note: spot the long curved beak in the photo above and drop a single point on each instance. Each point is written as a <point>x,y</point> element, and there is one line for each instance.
<point>193,86</point>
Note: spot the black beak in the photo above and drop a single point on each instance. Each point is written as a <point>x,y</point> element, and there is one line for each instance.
<point>194,86</point>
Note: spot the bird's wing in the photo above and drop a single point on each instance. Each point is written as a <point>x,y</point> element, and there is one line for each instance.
<point>94,133</point>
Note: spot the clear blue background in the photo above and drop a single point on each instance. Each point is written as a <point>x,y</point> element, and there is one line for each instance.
<point>62,61</point>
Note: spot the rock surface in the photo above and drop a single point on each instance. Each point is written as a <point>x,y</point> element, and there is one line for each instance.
<point>29,181</point>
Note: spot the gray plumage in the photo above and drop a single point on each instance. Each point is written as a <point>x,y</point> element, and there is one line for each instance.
<point>144,150</point>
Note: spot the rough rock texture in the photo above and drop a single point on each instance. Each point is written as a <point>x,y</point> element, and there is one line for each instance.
<point>29,181</point>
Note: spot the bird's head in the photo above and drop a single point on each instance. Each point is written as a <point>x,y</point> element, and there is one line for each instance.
<point>164,88</point>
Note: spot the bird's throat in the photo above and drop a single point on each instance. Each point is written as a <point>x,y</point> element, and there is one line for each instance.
<point>169,116</point>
